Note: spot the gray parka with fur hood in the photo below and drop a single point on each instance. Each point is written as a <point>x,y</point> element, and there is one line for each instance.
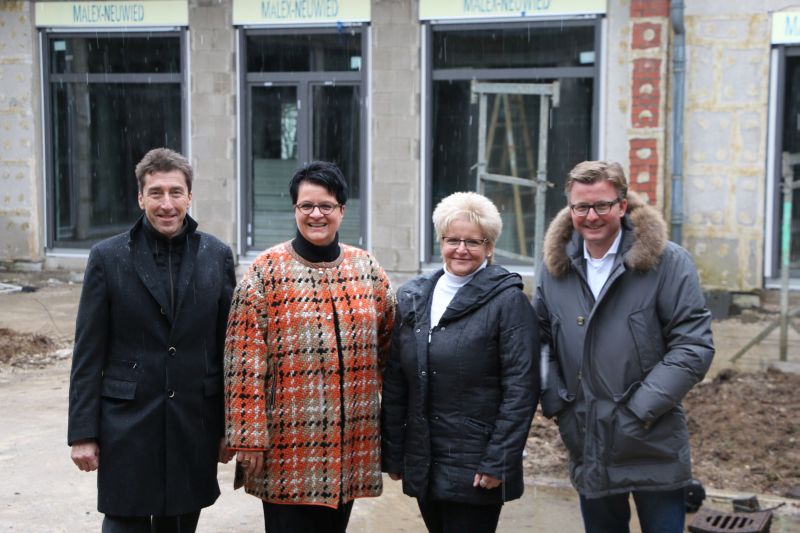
<point>619,366</point>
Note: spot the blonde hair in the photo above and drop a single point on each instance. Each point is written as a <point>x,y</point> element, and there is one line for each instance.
<point>472,207</point>
<point>590,172</point>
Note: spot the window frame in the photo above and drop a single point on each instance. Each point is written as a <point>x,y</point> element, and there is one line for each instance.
<point>774,163</point>
<point>304,81</point>
<point>430,75</point>
<point>47,35</point>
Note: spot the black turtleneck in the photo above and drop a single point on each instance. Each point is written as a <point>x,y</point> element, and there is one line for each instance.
<point>167,254</point>
<point>313,253</point>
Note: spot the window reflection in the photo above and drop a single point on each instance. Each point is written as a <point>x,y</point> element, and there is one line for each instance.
<point>100,130</point>
<point>114,54</point>
<point>304,53</point>
<point>791,146</point>
<point>512,129</point>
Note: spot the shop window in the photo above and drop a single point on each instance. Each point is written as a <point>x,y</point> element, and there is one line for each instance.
<point>110,98</point>
<point>515,55</point>
<point>790,148</point>
<point>303,102</point>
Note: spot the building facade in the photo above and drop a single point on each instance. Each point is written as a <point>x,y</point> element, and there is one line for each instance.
<point>414,99</point>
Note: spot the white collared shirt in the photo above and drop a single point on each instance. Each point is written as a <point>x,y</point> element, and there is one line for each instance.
<point>598,270</point>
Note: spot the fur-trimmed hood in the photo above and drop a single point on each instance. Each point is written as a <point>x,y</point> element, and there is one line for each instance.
<point>643,253</point>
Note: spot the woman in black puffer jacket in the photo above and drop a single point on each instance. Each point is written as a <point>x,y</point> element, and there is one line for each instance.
<point>462,382</point>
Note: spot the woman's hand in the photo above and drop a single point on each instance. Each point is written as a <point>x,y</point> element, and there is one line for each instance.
<point>485,481</point>
<point>252,462</point>
<point>395,477</point>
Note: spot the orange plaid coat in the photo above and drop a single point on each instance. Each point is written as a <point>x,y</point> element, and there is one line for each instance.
<point>289,391</point>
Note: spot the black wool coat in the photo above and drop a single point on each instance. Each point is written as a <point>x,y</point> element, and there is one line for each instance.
<point>458,398</point>
<point>146,386</point>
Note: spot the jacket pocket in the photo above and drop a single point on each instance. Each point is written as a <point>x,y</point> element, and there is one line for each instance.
<point>571,429</point>
<point>118,389</point>
<point>631,442</point>
<point>122,369</point>
<point>555,396</point>
<point>478,425</point>
<point>475,436</point>
<point>647,338</point>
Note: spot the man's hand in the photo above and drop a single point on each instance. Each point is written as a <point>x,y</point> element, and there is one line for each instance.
<point>252,462</point>
<point>86,455</point>
<point>225,453</point>
<point>485,481</point>
<point>395,477</point>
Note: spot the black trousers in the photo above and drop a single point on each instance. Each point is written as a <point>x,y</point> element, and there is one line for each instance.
<point>454,517</point>
<point>183,523</point>
<point>287,518</point>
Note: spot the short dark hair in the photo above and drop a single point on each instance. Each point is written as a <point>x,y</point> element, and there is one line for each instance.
<point>590,172</point>
<point>322,173</point>
<point>163,160</point>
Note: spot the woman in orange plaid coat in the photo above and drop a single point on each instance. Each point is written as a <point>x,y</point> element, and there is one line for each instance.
<point>309,327</point>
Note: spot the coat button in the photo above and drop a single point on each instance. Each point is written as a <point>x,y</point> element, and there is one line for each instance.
<point>418,330</point>
<point>134,365</point>
<point>164,313</point>
<point>423,373</point>
<point>172,350</point>
<point>581,321</point>
<point>171,393</point>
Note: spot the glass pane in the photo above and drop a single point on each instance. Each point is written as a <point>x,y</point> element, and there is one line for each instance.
<point>336,137</point>
<point>115,55</point>
<point>514,47</point>
<point>791,147</point>
<point>100,132</point>
<point>274,159</point>
<point>517,210</point>
<point>304,53</point>
<point>512,141</point>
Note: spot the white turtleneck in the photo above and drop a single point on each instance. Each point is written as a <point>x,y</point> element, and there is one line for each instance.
<point>446,288</point>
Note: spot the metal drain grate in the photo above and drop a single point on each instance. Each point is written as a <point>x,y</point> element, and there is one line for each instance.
<point>711,521</point>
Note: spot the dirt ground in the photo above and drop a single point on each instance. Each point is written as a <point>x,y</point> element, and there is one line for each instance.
<point>743,425</point>
<point>743,429</point>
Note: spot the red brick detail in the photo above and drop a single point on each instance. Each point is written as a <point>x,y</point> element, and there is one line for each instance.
<point>643,174</point>
<point>649,8</point>
<point>646,93</point>
<point>641,32</point>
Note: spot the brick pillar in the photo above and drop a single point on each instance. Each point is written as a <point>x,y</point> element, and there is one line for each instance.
<point>646,135</point>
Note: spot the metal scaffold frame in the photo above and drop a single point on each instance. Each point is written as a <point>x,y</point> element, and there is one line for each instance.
<point>487,127</point>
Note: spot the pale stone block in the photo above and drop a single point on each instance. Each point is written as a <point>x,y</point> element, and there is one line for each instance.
<point>389,11</point>
<point>212,105</point>
<point>708,137</point>
<point>706,205</point>
<point>700,75</point>
<point>218,60</point>
<point>724,30</point>
<point>743,74</point>
<point>748,204</point>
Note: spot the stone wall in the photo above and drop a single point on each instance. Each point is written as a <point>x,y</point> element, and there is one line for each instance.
<point>725,140</point>
<point>20,146</point>
<point>212,123</point>
<point>649,46</point>
<point>395,116</point>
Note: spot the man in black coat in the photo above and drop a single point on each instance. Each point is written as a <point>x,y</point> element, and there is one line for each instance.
<point>145,399</point>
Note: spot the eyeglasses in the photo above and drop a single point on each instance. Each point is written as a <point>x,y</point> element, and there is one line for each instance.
<point>601,208</point>
<point>471,244</point>
<point>307,208</point>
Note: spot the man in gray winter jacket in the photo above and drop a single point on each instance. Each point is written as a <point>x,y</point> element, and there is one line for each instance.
<point>623,317</point>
